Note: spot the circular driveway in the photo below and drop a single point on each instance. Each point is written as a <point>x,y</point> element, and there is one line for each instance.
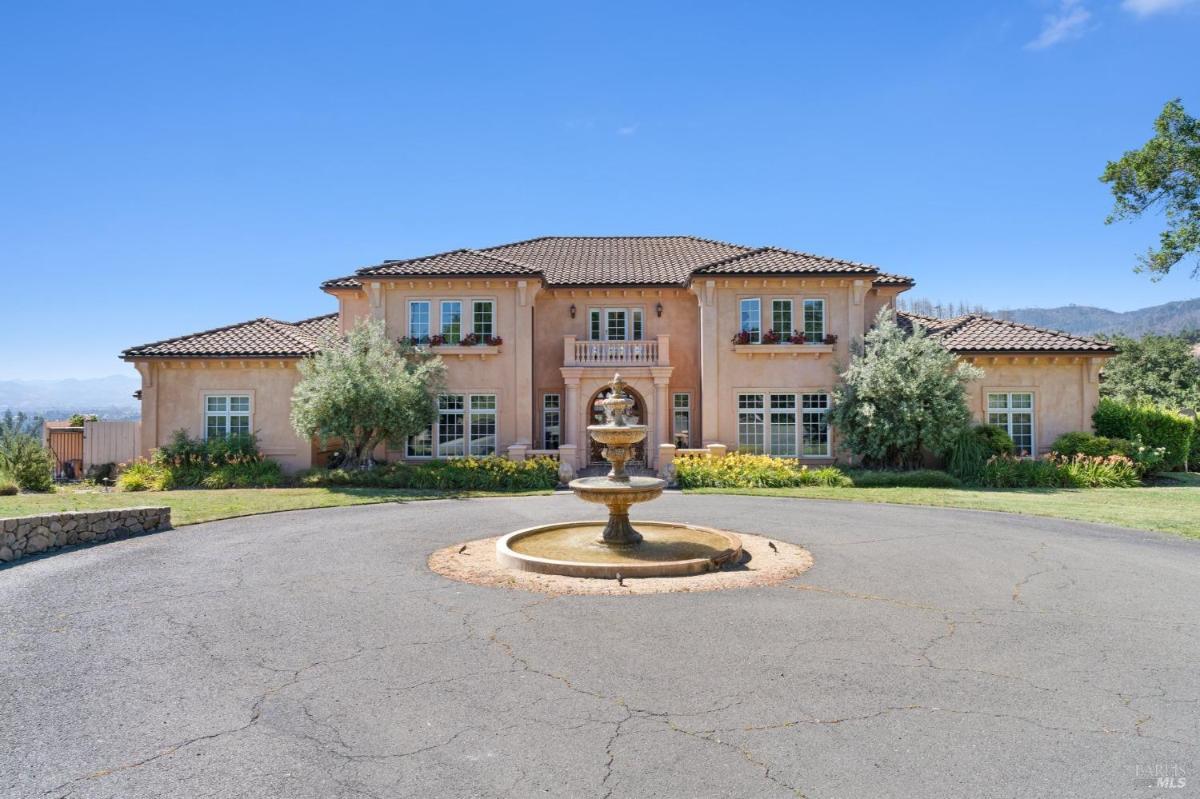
<point>927,653</point>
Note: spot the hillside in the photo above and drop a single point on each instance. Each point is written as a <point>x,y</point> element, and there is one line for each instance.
<point>110,397</point>
<point>1171,317</point>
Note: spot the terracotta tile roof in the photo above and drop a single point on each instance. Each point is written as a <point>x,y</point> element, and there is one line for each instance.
<point>885,279</point>
<point>978,333</point>
<point>257,338</point>
<point>618,260</point>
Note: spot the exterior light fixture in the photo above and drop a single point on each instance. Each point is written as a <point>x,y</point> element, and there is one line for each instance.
<point>658,309</point>
<point>572,310</point>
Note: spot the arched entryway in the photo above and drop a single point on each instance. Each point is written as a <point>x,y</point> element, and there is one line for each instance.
<point>636,415</point>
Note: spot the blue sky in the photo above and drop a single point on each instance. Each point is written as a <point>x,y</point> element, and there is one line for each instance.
<point>169,167</point>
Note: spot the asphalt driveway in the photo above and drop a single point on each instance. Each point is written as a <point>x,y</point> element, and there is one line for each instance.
<point>927,653</point>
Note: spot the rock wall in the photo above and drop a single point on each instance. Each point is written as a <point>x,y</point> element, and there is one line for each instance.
<point>29,535</point>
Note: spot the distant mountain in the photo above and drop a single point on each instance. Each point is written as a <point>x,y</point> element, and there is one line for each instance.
<point>108,397</point>
<point>1171,317</point>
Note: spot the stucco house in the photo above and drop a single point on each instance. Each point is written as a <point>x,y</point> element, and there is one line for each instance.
<point>722,345</point>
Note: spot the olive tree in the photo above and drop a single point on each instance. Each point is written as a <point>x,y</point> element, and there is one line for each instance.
<point>902,394</point>
<point>364,390</point>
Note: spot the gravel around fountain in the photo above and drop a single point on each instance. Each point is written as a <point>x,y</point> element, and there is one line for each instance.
<point>760,566</point>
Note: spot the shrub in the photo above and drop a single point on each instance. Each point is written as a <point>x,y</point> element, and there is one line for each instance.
<point>8,486</point>
<point>917,478</point>
<point>1006,471</point>
<point>489,473</point>
<point>143,475</point>
<point>98,472</point>
<point>220,462</point>
<point>1155,427</point>
<point>1059,471</point>
<point>744,470</point>
<point>244,474</point>
<point>1146,459</point>
<point>26,461</point>
<point>998,440</point>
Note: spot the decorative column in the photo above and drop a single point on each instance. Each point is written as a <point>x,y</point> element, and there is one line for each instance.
<point>522,344</point>
<point>570,420</point>
<point>856,312</point>
<point>662,408</point>
<point>710,338</point>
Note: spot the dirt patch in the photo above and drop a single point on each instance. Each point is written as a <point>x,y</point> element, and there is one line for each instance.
<point>760,566</point>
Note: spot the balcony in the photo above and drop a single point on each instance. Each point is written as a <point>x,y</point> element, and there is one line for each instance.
<point>645,352</point>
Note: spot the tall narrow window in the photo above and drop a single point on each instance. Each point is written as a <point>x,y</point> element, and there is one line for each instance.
<point>681,421</point>
<point>781,317</point>
<point>483,318</point>
<point>596,330</point>
<point>450,433</point>
<point>814,321</point>
<point>751,318</point>
<point>814,425</point>
<point>551,421</point>
<point>751,424</point>
<point>482,416</point>
<point>1013,412</point>
<point>418,320</point>
<point>783,425</point>
<point>635,324</point>
<point>420,445</point>
<point>616,326</point>
<point>452,321</point>
<point>226,415</point>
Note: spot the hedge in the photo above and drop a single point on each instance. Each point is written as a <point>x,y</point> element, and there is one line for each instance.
<point>1156,427</point>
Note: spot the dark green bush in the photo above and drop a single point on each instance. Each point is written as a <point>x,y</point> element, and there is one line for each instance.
<point>1146,459</point>
<point>1154,427</point>
<point>1006,471</point>
<point>918,478</point>
<point>491,473</point>
<point>997,439</point>
<point>1057,471</point>
<point>244,474</point>
<point>219,462</point>
<point>967,455</point>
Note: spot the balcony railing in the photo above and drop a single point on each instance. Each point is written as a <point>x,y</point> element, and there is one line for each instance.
<point>646,352</point>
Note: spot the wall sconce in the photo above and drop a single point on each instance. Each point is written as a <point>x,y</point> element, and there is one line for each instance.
<point>572,310</point>
<point>658,309</point>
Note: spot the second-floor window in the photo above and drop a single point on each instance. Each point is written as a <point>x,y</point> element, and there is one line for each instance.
<point>616,324</point>
<point>483,318</point>
<point>751,317</point>
<point>781,317</point>
<point>814,321</point>
<point>452,321</point>
<point>418,320</point>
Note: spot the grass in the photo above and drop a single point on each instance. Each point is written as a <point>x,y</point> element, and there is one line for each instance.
<point>192,506</point>
<point>1171,505</point>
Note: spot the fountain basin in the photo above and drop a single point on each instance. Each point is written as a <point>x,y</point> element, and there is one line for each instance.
<point>630,491</point>
<point>667,549</point>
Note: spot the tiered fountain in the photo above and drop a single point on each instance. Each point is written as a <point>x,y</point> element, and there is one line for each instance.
<point>613,547</point>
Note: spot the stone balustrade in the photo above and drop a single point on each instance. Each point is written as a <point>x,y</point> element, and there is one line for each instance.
<point>31,535</point>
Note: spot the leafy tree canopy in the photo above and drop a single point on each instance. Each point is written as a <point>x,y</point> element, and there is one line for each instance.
<point>1164,174</point>
<point>1157,369</point>
<point>903,394</point>
<point>365,390</point>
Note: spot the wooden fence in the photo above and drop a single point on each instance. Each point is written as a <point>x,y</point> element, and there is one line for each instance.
<point>76,449</point>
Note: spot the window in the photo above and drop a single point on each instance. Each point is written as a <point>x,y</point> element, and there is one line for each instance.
<point>226,415</point>
<point>483,424</point>
<point>466,425</point>
<point>814,321</point>
<point>483,317</point>
<point>814,425</point>
<point>450,433</point>
<point>751,316</point>
<point>781,317</point>
<point>750,423</point>
<point>616,324</point>
<point>418,320</point>
<point>1013,413</point>
<point>783,425</point>
<point>551,421</point>
<point>452,321</point>
<point>421,445</point>
<point>681,421</point>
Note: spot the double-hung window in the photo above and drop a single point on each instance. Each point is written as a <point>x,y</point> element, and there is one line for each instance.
<point>452,321</point>
<point>482,415</point>
<point>616,324</point>
<point>1013,413</point>
<point>418,320</point>
<point>681,421</point>
<point>751,423</point>
<point>451,433</point>
<point>551,421</point>
<point>750,312</point>
<point>783,425</point>
<point>814,425</point>
<point>814,321</point>
<point>483,318</point>
<point>226,415</point>
<point>781,318</point>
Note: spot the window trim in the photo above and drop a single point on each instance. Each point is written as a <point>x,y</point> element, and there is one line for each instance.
<point>635,317</point>
<point>755,333</point>
<point>824,317</point>
<point>791,305</point>
<point>765,409</point>
<point>408,322</point>
<point>462,331</point>
<point>468,409</point>
<point>1008,412</point>
<point>558,411</point>
<point>676,409</point>
<point>227,393</point>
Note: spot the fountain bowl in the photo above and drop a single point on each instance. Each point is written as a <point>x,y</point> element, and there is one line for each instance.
<point>667,549</point>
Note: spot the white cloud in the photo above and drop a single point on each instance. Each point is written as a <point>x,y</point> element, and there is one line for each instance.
<point>1144,8</point>
<point>1068,22</point>
<point>627,130</point>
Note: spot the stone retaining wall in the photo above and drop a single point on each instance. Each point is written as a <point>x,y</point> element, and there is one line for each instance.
<point>29,535</point>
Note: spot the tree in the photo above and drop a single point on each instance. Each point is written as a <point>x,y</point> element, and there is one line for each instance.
<point>366,390</point>
<point>903,394</point>
<point>1164,173</point>
<point>22,456</point>
<point>77,419</point>
<point>1161,370</point>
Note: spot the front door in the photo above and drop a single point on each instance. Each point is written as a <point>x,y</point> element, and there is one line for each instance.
<point>636,415</point>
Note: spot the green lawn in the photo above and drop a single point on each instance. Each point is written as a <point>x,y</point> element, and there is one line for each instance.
<point>1172,505</point>
<point>192,506</point>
